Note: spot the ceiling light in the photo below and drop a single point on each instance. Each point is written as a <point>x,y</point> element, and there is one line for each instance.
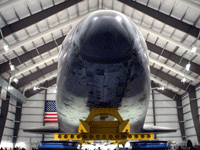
<point>161,88</point>
<point>16,80</point>
<point>193,49</point>
<point>6,47</point>
<point>55,91</point>
<point>12,67</point>
<point>187,67</point>
<point>183,80</point>
<point>36,88</point>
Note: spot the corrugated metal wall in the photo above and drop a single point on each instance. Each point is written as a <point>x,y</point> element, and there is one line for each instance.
<point>165,115</point>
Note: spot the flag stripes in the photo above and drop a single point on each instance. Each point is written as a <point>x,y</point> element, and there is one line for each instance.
<point>50,112</point>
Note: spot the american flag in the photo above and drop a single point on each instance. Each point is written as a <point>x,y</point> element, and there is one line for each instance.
<point>50,112</point>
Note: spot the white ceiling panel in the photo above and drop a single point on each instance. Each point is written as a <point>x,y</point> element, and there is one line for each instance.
<point>72,11</point>
<point>161,42</point>
<point>10,39</point>
<point>128,11</point>
<point>168,30</point>
<point>34,6</point>
<point>144,2</point>
<point>137,16</point>
<point>9,15</point>
<point>53,21</point>
<point>21,35</point>
<point>157,26</point>
<point>191,16</point>
<point>151,38</point>
<point>117,6</point>
<point>57,34</point>
<point>46,4</point>
<point>58,1</point>
<point>42,25</point>
<point>167,6</point>
<point>32,30</point>
<point>154,4</point>
<point>82,6</point>
<point>63,16</point>
<point>93,4</point>
<point>21,10</point>
<point>179,10</point>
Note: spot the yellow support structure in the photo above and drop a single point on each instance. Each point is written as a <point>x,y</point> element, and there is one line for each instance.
<point>116,132</point>
<point>106,137</point>
<point>83,127</point>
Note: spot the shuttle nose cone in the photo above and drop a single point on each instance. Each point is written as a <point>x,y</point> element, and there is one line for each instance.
<point>105,37</point>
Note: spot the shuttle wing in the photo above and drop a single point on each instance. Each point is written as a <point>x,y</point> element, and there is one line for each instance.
<point>54,129</point>
<point>43,130</point>
<point>157,129</point>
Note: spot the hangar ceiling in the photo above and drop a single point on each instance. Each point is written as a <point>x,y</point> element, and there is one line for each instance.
<point>32,32</point>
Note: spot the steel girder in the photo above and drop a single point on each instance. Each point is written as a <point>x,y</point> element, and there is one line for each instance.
<point>17,122</point>
<point>179,107</point>
<point>194,111</point>
<point>28,21</point>
<point>31,54</point>
<point>3,116</point>
<point>173,22</point>
<point>47,84</point>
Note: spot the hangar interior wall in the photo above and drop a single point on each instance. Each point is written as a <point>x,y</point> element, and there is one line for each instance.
<point>165,115</point>
<point>33,115</point>
<point>189,124</point>
<point>198,100</point>
<point>9,126</point>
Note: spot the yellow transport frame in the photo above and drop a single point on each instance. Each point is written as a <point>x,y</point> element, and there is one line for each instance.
<point>116,132</point>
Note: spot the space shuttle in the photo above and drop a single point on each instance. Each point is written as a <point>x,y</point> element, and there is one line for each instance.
<point>103,63</point>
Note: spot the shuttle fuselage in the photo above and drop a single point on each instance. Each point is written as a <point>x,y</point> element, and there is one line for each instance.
<point>103,62</point>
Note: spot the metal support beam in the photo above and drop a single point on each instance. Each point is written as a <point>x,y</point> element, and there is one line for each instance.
<point>31,54</point>
<point>11,91</point>
<point>173,57</point>
<point>194,111</point>
<point>28,21</point>
<point>171,68</point>
<point>166,92</point>
<point>37,83</point>
<point>180,118</point>
<point>31,92</point>
<point>154,114</point>
<point>173,22</point>
<point>178,100</point>
<point>172,80</point>
<point>45,98</point>
<point>3,116</point>
<point>27,79</point>
<point>17,122</point>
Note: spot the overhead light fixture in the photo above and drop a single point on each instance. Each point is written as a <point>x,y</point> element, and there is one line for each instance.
<point>6,47</point>
<point>36,88</point>
<point>187,67</point>
<point>55,90</point>
<point>161,88</point>
<point>12,67</point>
<point>194,49</point>
<point>16,80</point>
<point>183,80</point>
